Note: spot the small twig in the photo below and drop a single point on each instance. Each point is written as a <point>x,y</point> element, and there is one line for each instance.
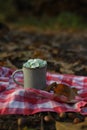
<point>10,64</point>
<point>42,122</point>
<point>19,128</point>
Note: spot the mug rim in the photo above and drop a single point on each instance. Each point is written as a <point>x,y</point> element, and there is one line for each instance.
<point>35,67</point>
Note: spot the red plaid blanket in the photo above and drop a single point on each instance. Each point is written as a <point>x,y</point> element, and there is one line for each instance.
<point>16,100</point>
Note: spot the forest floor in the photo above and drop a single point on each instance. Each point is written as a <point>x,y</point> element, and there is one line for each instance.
<point>65,52</point>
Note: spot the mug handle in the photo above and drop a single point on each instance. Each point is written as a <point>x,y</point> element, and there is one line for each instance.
<point>13,77</point>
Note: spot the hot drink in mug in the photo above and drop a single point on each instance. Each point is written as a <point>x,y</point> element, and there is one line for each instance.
<point>34,74</point>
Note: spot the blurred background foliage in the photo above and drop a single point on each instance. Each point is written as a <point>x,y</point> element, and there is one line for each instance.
<point>45,13</point>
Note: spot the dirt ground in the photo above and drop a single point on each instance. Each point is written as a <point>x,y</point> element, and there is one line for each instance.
<point>66,53</point>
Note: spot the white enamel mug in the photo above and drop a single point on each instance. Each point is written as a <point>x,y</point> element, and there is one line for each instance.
<point>33,77</point>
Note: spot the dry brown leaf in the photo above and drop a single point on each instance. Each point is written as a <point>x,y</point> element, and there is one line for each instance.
<point>63,90</point>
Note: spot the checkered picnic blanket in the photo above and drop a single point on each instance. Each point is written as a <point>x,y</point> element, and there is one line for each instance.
<point>14,99</point>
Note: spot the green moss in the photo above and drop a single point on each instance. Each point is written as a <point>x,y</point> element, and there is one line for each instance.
<point>64,20</point>
<point>26,128</point>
